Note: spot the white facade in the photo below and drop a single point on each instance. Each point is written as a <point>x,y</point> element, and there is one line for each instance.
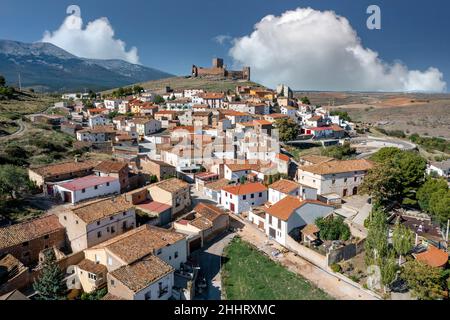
<point>152,292</point>
<point>108,188</point>
<point>112,104</point>
<point>98,120</point>
<point>242,203</point>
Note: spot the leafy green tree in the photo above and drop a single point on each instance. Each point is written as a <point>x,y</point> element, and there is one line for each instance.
<point>2,81</point>
<point>388,270</point>
<point>138,89</point>
<point>242,180</point>
<point>382,182</point>
<point>440,206</point>
<point>426,191</point>
<point>50,284</point>
<point>333,228</point>
<point>376,245</point>
<point>305,100</point>
<point>96,295</point>
<point>425,282</point>
<point>13,181</point>
<point>402,240</point>
<point>288,129</point>
<point>159,100</point>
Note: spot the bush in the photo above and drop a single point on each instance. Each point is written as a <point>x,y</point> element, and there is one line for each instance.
<point>332,228</point>
<point>339,152</point>
<point>336,268</point>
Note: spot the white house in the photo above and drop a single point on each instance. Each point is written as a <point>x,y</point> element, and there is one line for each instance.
<point>86,188</point>
<point>288,215</point>
<point>190,93</point>
<point>111,104</point>
<point>283,188</point>
<point>98,120</point>
<point>335,177</point>
<point>241,198</point>
<point>442,169</point>
<point>146,126</point>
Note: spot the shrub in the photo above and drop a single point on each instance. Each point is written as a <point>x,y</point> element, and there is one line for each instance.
<point>336,268</point>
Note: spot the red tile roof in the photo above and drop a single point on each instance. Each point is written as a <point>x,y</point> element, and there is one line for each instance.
<point>284,208</point>
<point>247,188</point>
<point>433,257</point>
<point>154,207</point>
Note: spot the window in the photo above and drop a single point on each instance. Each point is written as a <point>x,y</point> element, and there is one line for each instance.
<point>113,230</point>
<point>253,196</point>
<point>279,223</point>
<point>110,261</point>
<point>99,234</point>
<point>96,187</point>
<point>333,182</point>
<point>356,179</point>
<point>25,244</point>
<point>92,276</point>
<point>270,219</point>
<point>345,180</point>
<point>98,223</point>
<point>113,283</point>
<point>76,221</point>
<point>148,295</point>
<point>83,191</point>
<point>176,254</point>
<point>65,218</point>
<point>112,218</point>
<point>107,184</point>
<point>46,237</point>
<point>159,252</point>
<point>260,194</point>
<point>245,198</point>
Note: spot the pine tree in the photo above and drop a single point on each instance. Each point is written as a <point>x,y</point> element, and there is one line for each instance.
<point>50,284</point>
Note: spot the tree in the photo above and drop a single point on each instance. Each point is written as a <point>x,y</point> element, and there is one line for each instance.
<point>339,152</point>
<point>425,282</point>
<point>376,245</point>
<point>50,284</point>
<point>242,180</point>
<point>382,182</point>
<point>305,100</point>
<point>402,240</point>
<point>13,180</point>
<point>425,192</point>
<point>440,206</point>
<point>388,270</point>
<point>333,228</point>
<point>288,129</point>
<point>159,100</point>
<point>96,295</point>
<point>2,81</point>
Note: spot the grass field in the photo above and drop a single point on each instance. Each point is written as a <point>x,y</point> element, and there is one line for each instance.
<point>249,275</point>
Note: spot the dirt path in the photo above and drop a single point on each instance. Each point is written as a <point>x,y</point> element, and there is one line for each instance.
<point>329,283</point>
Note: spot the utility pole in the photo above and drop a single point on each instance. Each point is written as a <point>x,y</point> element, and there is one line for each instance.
<point>448,225</point>
<point>20,83</point>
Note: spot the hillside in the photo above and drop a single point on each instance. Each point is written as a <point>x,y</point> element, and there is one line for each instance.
<point>45,67</point>
<point>180,83</point>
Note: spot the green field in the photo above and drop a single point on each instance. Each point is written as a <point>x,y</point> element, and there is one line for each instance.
<point>250,275</point>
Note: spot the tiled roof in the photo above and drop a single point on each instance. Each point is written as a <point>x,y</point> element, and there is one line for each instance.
<point>243,167</point>
<point>433,257</point>
<point>284,208</point>
<point>110,166</point>
<point>244,189</point>
<point>98,210</point>
<point>86,182</point>
<point>27,231</point>
<point>140,242</point>
<point>334,167</point>
<point>209,211</point>
<point>212,95</point>
<point>92,267</point>
<point>201,223</point>
<point>171,185</point>
<point>153,207</point>
<point>316,159</point>
<point>64,168</point>
<point>217,185</point>
<point>283,157</point>
<point>110,297</point>
<point>310,230</point>
<point>285,186</point>
<point>141,274</point>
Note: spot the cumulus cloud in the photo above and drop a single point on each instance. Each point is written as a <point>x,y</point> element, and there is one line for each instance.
<point>95,41</point>
<point>222,39</point>
<point>319,50</point>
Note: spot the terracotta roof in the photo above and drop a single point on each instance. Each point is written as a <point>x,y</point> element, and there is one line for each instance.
<point>141,274</point>
<point>140,242</point>
<point>209,211</point>
<point>315,118</point>
<point>276,116</point>
<point>153,207</point>
<point>27,231</point>
<point>86,182</point>
<point>433,257</point>
<point>98,210</point>
<point>217,185</point>
<point>111,166</point>
<point>201,223</point>
<point>99,129</point>
<point>92,267</point>
<point>285,186</point>
<point>310,230</point>
<point>334,167</point>
<point>9,263</point>
<point>284,208</point>
<point>212,95</point>
<point>316,159</point>
<point>243,167</point>
<point>64,168</point>
<point>244,189</point>
<point>160,163</point>
<point>110,297</point>
<point>262,122</point>
<point>283,157</point>
<point>171,185</point>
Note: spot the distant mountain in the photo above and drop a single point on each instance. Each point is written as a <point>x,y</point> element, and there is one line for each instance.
<point>46,67</point>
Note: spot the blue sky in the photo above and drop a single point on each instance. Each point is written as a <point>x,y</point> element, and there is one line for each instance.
<point>172,35</point>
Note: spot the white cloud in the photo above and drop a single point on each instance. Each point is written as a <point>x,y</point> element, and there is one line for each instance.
<point>319,50</point>
<point>222,39</point>
<point>95,41</point>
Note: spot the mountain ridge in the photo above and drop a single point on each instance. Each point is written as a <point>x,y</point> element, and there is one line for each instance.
<point>46,67</point>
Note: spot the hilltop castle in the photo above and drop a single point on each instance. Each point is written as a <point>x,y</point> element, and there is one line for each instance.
<point>218,70</point>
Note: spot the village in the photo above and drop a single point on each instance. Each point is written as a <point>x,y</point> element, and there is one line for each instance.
<point>168,179</point>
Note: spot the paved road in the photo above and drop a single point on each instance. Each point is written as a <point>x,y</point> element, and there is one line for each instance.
<point>210,261</point>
